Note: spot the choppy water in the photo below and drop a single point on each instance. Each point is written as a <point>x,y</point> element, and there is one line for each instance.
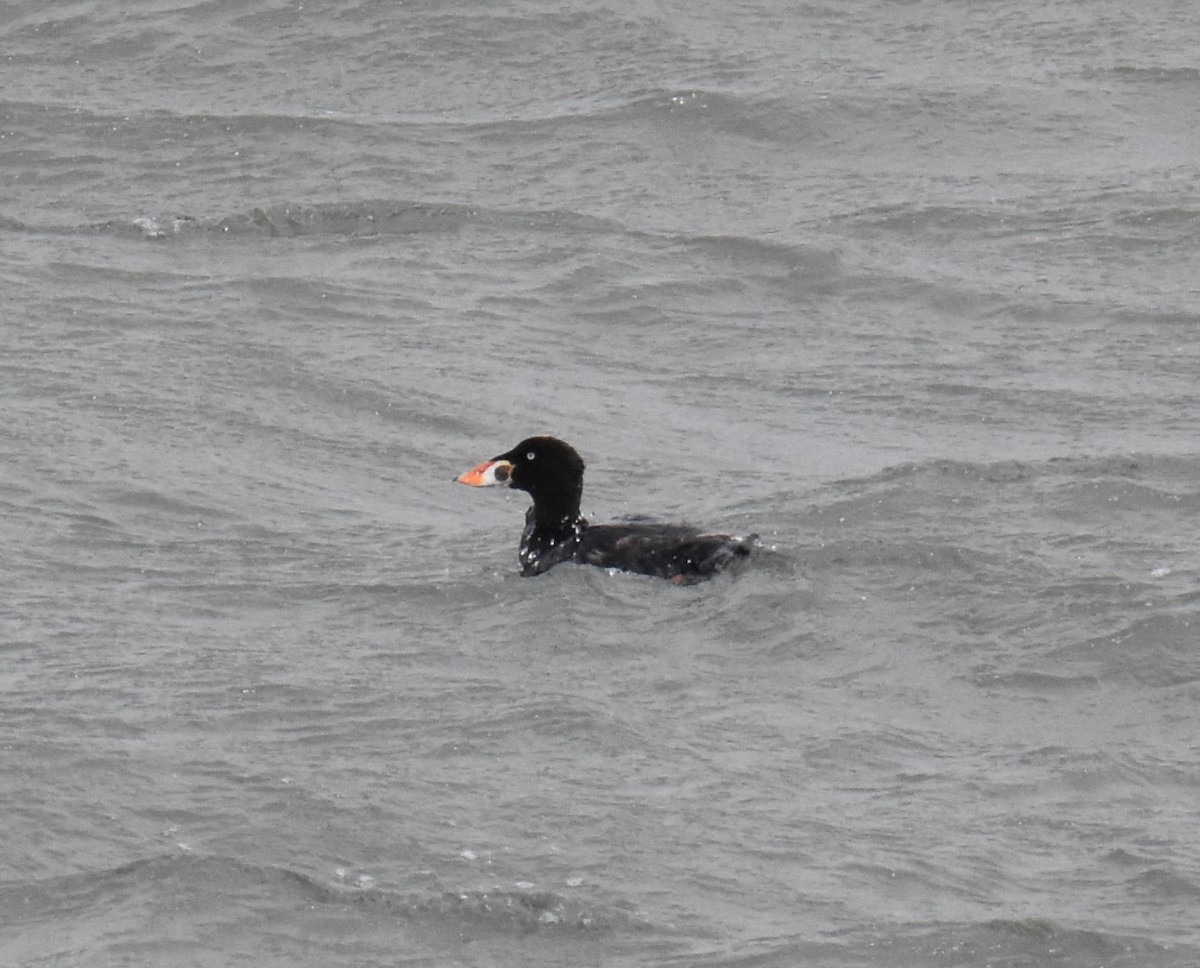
<point>909,289</point>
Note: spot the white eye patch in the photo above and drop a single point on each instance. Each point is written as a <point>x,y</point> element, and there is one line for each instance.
<point>530,456</point>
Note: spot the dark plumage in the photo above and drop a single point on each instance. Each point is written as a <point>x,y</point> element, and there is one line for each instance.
<point>551,471</point>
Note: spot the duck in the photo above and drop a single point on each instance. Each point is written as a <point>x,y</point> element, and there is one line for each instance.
<point>550,471</point>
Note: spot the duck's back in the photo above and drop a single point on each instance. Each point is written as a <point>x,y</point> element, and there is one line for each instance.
<point>664,550</point>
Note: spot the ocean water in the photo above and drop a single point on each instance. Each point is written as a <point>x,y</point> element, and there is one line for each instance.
<point>909,289</point>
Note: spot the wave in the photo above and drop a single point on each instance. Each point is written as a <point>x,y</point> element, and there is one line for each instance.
<point>1003,941</point>
<point>1172,469</point>
<point>202,882</point>
<point>335,219</point>
<point>382,217</point>
<point>1184,76</point>
<point>757,117</point>
<point>1032,941</point>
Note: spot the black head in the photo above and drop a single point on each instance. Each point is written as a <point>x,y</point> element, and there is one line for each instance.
<point>549,469</point>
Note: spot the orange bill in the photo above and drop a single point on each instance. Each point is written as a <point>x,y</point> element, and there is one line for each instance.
<point>487,474</point>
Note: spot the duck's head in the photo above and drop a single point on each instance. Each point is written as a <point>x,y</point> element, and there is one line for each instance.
<point>548,469</point>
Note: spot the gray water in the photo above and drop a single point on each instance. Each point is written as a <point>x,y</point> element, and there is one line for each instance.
<point>908,289</point>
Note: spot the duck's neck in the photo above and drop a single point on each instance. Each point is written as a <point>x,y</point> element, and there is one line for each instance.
<point>557,508</point>
<point>551,535</point>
